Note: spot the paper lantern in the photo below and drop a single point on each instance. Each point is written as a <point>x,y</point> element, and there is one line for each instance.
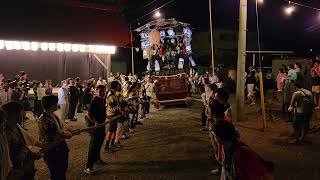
<point>162,33</point>
<point>154,37</point>
<point>171,32</point>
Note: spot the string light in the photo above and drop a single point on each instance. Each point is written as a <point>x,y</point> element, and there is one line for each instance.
<point>157,14</point>
<point>60,47</point>
<point>289,10</point>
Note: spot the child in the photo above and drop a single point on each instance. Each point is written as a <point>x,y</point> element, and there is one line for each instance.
<point>280,79</point>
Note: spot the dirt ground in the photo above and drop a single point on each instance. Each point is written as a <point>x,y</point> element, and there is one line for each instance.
<point>169,145</point>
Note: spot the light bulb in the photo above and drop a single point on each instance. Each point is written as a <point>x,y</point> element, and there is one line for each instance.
<point>157,14</point>
<point>289,10</point>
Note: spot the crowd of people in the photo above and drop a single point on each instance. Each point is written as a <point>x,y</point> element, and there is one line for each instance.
<point>121,101</point>
<point>234,158</point>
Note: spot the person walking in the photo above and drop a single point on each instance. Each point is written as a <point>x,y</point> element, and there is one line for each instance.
<point>96,116</point>
<point>303,104</point>
<point>63,100</point>
<point>52,134</point>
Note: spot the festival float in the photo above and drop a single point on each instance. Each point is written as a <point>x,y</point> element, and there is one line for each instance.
<point>166,45</point>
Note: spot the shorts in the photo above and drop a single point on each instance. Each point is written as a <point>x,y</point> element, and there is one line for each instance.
<point>316,89</point>
<point>113,126</point>
<point>299,121</point>
<point>250,88</point>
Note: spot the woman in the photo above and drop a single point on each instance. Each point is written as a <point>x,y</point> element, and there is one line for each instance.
<point>280,79</point>
<point>52,134</point>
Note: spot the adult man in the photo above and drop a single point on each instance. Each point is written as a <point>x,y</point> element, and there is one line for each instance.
<point>21,156</point>
<point>52,133</point>
<point>96,116</point>
<point>73,100</point>
<point>81,94</point>
<point>303,103</point>
<point>63,100</point>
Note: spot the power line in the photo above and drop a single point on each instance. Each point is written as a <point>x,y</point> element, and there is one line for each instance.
<point>303,5</point>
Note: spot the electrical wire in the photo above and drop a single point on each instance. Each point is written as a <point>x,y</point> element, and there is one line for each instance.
<point>302,5</point>
<point>258,34</point>
<point>156,9</point>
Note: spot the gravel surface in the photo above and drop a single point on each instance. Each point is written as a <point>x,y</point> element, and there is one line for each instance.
<point>169,145</point>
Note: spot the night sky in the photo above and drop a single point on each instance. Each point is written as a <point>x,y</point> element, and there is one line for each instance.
<point>299,32</point>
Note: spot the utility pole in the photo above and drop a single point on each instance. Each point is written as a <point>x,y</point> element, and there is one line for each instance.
<point>211,34</point>
<point>241,60</point>
<point>132,60</point>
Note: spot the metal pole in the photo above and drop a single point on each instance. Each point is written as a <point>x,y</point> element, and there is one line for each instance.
<point>132,61</point>
<point>241,60</point>
<point>254,59</point>
<point>211,34</point>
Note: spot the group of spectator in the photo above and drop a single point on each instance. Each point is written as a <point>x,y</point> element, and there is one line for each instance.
<point>120,101</point>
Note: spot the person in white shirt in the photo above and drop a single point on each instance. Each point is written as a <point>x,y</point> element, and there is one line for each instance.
<point>111,78</point>
<point>63,100</point>
<point>101,81</point>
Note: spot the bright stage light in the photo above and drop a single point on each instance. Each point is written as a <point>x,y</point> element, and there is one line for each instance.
<point>34,46</point>
<point>289,10</point>
<point>9,45</point>
<point>44,46</point>
<point>82,48</point>
<point>260,1</point>
<point>52,46</point>
<point>75,47</point>
<point>1,44</point>
<point>25,45</point>
<point>59,47</point>
<point>17,45</point>
<point>67,47</point>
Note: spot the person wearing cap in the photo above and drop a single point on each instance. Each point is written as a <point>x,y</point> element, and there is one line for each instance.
<point>52,134</point>
<point>21,156</point>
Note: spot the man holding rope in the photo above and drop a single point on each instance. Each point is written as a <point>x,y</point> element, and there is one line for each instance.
<point>96,117</point>
<point>52,133</point>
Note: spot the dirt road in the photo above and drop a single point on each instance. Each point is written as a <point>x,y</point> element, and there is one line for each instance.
<point>169,146</point>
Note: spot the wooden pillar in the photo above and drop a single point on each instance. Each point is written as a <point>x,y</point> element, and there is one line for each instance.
<point>109,65</point>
